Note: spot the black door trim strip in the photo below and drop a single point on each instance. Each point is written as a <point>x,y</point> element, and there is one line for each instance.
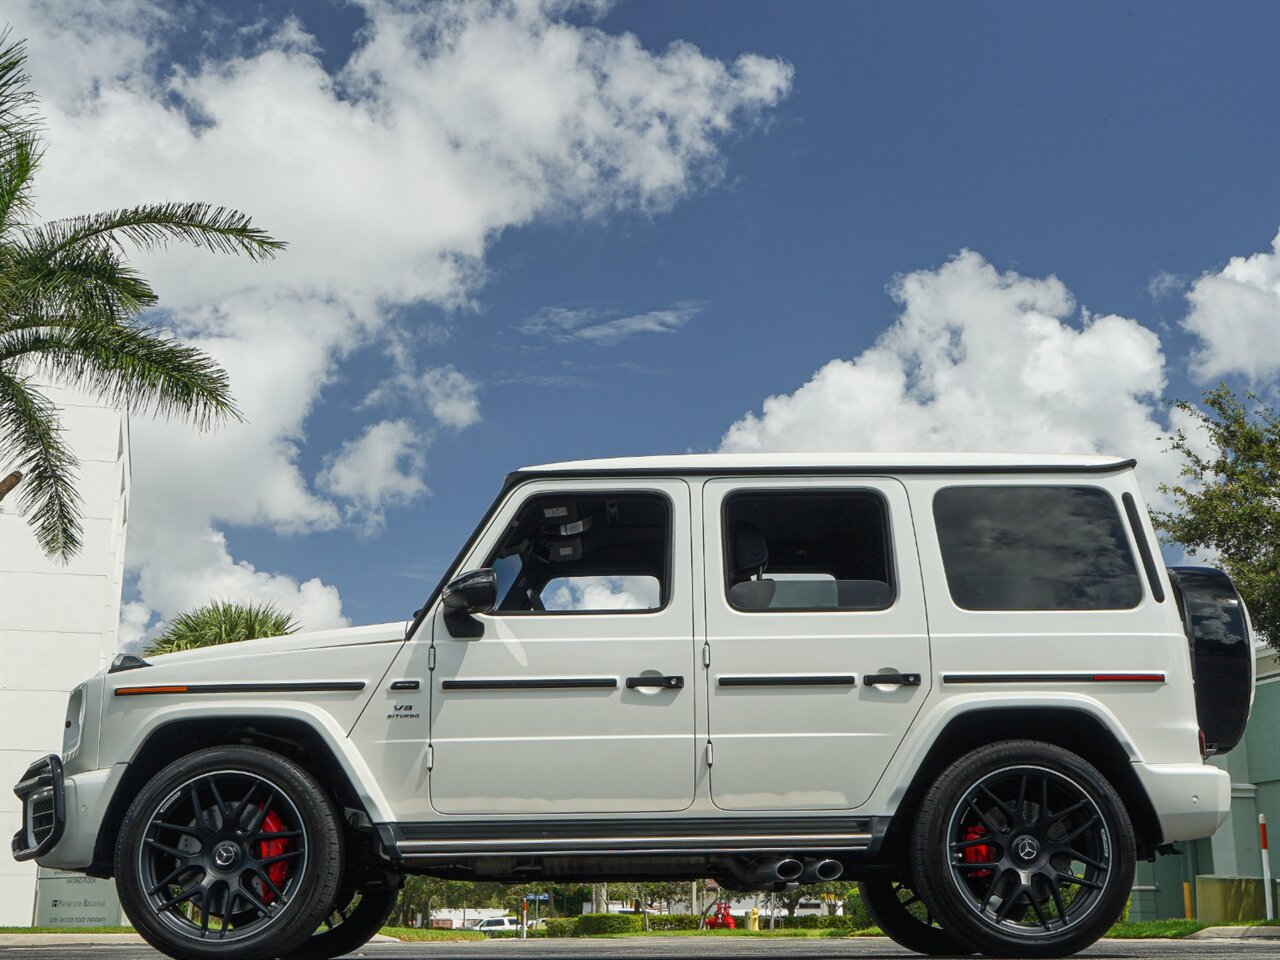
<point>817,680</point>
<point>562,683</point>
<point>1144,548</point>
<point>1112,677</point>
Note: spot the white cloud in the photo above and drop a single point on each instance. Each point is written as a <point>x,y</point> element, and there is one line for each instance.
<point>1164,284</point>
<point>980,360</point>
<point>1236,315</point>
<point>603,593</point>
<point>566,324</point>
<point>451,396</point>
<point>381,468</point>
<point>390,178</point>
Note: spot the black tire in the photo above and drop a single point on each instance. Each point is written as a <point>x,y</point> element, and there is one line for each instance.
<point>890,904</point>
<point>230,853</point>
<point>1027,809</point>
<point>356,917</point>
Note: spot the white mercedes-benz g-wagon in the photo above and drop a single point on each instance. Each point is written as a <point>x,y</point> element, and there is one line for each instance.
<point>964,679</point>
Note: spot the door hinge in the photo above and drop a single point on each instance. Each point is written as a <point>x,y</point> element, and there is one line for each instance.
<point>706,654</point>
<point>431,657</point>
<point>711,754</point>
<point>431,756</point>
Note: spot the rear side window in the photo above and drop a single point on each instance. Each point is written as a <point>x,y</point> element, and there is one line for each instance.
<point>1035,548</point>
<point>807,550</point>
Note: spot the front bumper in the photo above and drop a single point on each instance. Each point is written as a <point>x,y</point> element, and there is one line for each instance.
<point>1191,800</point>
<point>42,792</point>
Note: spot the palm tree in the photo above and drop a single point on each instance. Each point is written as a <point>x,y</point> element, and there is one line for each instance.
<point>69,312</point>
<point>221,621</point>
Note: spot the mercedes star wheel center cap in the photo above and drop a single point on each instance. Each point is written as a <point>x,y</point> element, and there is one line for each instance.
<point>1026,848</point>
<point>225,854</point>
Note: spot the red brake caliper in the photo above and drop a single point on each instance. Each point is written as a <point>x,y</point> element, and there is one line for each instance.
<point>278,871</point>
<point>979,853</point>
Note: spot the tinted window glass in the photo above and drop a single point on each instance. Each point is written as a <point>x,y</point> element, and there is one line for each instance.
<point>579,552</point>
<point>1035,548</point>
<point>811,550</point>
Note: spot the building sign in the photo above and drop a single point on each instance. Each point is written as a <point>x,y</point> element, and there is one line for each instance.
<point>65,899</point>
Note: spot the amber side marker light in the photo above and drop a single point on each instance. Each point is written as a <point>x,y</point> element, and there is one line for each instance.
<point>139,691</point>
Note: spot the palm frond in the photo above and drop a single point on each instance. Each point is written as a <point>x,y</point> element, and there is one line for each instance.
<point>221,621</point>
<point>151,226</point>
<point>89,285</point>
<point>18,162</point>
<point>134,366</point>
<point>19,118</point>
<point>31,441</point>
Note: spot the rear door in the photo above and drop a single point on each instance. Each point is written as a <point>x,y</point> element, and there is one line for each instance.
<point>814,599</point>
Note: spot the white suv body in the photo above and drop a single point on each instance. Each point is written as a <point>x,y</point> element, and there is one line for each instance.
<point>694,665</point>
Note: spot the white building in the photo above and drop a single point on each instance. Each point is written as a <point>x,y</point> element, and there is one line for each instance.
<point>57,623</point>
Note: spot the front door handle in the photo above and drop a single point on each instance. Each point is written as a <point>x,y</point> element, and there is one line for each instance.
<point>891,679</point>
<point>666,683</point>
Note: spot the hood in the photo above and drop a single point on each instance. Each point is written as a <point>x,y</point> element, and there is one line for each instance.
<point>309,640</point>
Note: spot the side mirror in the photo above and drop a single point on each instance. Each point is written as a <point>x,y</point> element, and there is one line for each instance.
<point>475,591</point>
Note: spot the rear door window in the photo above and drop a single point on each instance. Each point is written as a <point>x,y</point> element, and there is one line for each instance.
<point>1035,548</point>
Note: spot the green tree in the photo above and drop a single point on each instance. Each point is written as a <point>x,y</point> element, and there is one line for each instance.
<point>1229,500</point>
<point>221,621</point>
<point>69,313</point>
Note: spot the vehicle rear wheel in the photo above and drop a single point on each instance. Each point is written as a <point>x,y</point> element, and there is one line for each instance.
<point>229,853</point>
<point>355,918</point>
<point>905,918</point>
<point>1022,848</point>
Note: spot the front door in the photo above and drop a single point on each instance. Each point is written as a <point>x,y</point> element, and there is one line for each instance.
<point>576,694</point>
<point>817,638</point>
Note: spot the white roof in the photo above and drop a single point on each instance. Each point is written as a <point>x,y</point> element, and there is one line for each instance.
<point>702,462</point>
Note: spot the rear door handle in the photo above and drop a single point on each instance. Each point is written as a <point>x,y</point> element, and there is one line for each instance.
<point>891,679</point>
<point>666,683</point>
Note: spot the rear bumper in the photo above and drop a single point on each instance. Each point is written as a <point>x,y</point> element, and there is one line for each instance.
<point>1191,800</point>
<point>42,792</point>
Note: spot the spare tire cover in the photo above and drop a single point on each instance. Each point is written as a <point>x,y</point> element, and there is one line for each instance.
<point>1221,652</point>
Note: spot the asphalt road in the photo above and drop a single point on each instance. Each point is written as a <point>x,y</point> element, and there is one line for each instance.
<point>686,948</point>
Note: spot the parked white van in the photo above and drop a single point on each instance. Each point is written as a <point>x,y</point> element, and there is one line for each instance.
<point>962,679</point>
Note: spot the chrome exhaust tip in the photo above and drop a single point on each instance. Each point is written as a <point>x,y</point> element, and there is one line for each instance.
<point>822,871</point>
<point>786,870</point>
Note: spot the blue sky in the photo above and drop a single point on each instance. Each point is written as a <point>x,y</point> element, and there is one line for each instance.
<point>1129,150</point>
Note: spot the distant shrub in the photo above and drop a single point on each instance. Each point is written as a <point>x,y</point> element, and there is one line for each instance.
<point>562,926</point>
<point>858,913</point>
<point>590,924</point>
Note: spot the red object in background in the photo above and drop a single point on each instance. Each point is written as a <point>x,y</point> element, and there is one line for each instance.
<point>722,919</point>
<point>277,871</point>
<point>981,853</point>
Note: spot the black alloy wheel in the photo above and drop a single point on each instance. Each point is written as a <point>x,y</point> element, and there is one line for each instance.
<point>904,917</point>
<point>1024,849</point>
<point>355,918</point>
<point>231,852</point>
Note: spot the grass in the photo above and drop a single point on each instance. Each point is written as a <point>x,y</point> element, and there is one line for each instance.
<point>420,934</point>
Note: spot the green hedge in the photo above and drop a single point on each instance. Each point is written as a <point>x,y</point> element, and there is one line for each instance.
<point>590,924</point>
<point>562,926</point>
<point>672,921</point>
<point>813,921</point>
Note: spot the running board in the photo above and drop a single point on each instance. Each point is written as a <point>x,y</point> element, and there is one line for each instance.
<point>632,837</point>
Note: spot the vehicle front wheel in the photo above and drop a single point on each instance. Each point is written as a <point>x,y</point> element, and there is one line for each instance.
<point>1023,849</point>
<point>230,853</point>
<point>905,918</point>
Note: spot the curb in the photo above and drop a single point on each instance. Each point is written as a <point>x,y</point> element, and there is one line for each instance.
<point>57,939</point>
<point>1235,933</point>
